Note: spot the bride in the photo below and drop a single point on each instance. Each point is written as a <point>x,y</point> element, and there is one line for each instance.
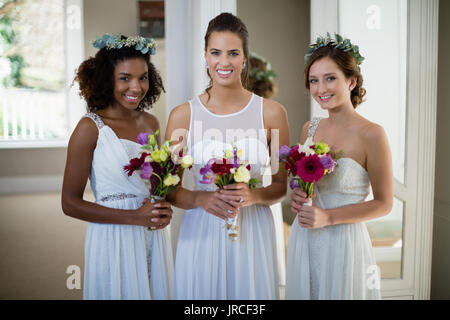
<point>330,254</point>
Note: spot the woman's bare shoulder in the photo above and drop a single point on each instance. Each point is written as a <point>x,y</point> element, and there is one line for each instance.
<point>180,115</point>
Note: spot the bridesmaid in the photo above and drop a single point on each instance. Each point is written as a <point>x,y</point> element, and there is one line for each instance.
<point>330,255</point>
<point>208,264</point>
<point>123,260</point>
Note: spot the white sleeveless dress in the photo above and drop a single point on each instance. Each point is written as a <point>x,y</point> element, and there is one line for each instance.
<point>209,265</point>
<point>123,261</point>
<point>334,262</point>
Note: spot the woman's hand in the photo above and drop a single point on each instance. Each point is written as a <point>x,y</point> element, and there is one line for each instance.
<point>311,217</point>
<point>216,204</point>
<point>238,194</point>
<point>298,198</point>
<point>154,215</point>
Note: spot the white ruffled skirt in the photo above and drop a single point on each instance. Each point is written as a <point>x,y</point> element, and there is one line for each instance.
<point>127,262</point>
<point>335,262</point>
<point>209,265</point>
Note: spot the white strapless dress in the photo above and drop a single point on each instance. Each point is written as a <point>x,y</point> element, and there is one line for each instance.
<point>335,262</point>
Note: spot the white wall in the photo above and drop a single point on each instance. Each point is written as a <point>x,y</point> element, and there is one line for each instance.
<point>279,31</point>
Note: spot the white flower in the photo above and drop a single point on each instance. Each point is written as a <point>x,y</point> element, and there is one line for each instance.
<point>186,161</point>
<point>242,175</point>
<point>171,180</point>
<point>306,147</point>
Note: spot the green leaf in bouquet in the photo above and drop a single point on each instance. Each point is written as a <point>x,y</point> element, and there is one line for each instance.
<point>338,155</point>
<point>252,183</point>
<point>310,189</point>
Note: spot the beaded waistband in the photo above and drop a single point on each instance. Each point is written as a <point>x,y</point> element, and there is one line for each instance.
<point>117,196</point>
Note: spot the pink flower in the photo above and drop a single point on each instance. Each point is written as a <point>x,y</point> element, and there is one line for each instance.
<point>310,169</point>
<point>208,177</point>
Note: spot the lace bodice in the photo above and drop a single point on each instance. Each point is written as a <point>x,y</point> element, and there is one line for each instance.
<point>210,134</point>
<point>349,183</point>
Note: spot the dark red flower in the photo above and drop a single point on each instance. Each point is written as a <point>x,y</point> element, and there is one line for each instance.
<point>221,167</point>
<point>134,165</point>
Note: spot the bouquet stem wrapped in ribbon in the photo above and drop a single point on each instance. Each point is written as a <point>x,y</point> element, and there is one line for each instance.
<point>226,170</point>
<point>307,164</point>
<point>159,167</point>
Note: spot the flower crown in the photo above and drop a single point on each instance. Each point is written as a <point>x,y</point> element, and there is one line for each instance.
<point>144,45</point>
<point>259,74</point>
<point>338,43</point>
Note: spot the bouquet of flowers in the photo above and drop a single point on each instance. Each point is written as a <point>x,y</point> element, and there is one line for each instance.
<point>226,170</point>
<point>159,167</point>
<point>307,164</point>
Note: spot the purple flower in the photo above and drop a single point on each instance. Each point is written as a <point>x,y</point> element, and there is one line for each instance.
<point>294,184</point>
<point>147,170</point>
<point>208,177</point>
<point>236,162</point>
<point>143,138</point>
<point>207,166</point>
<point>284,152</point>
<point>327,161</point>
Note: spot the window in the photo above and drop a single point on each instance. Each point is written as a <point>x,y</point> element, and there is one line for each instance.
<point>36,37</point>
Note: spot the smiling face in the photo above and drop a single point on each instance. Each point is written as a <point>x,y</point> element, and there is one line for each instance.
<point>225,56</point>
<point>130,82</point>
<point>328,84</point>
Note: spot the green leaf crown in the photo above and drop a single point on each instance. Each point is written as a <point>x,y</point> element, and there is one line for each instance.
<point>339,43</point>
<point>144,45</point>
<point>259,74</point>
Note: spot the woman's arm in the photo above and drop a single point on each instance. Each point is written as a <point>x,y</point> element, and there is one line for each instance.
<point>275,120</point>
<point>212,202</point>
<point>78,165</point>
<point>379,168</point>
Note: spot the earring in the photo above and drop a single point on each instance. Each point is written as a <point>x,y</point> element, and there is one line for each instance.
<point>243,65</point>
<point>206,64</point>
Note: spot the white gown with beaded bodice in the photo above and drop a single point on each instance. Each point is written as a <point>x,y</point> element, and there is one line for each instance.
<point>334,262</point>
<point>209,265</point>
<point>123,261</point>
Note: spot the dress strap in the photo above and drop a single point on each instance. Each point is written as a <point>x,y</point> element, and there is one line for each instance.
<point>313,126</point>
<point>96,118</point>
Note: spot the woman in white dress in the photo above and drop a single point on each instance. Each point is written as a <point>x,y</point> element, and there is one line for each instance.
<point>123,260</point>
<point>208,264</point>
<point>330,255</point>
